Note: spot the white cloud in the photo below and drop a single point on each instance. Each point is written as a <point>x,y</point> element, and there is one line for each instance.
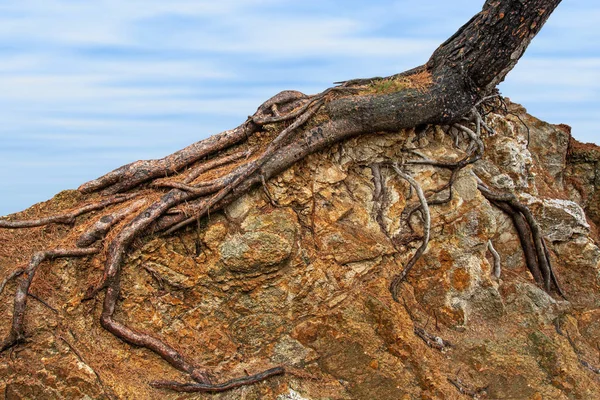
<point>96,76</point>
<point>572,72</point>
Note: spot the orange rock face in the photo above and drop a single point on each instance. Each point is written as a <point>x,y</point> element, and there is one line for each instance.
<point>305,284</point>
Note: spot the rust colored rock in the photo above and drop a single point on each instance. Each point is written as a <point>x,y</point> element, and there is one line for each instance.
<point>304,283</point>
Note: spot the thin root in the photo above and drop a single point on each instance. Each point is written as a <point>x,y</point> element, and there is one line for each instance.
<point>397,280</point>
<point>66,218</point>
<point>221,387</point>
<point>497,262</point>
<point>16,333</point>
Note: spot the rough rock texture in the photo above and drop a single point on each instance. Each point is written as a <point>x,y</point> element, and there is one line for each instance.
<point>305,284</point>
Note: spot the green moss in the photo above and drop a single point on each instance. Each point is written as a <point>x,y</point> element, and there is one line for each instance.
<point>389,85</point>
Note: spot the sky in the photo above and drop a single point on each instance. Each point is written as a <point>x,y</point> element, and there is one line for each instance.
<point>87,86</point>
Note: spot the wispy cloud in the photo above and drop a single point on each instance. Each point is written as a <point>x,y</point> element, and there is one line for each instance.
<point>87,86</point>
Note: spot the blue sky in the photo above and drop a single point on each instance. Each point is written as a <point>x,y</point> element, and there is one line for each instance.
<point>86,86</point>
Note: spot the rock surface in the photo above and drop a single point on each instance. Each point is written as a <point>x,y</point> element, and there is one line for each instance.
<point>304,284</point>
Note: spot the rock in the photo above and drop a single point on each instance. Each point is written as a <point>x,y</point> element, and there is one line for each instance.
<point>266,244</point>
<point>303,282</point>
<point>583,177</point>
<point>292,395</point>
<point>530,299</point>
<point>288,351</point>
<point>559,219</point>
<point>255,252</point>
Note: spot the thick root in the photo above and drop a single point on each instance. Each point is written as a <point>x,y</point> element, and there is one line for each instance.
<point>532,241</point>
<point>99,230</point>
<point>136,173</point>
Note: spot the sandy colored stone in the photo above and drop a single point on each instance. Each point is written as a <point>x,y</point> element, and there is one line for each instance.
<point>305,284</point>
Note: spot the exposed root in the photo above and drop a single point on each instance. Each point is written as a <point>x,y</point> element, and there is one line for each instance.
<point>331,117</point>
<point>221,387</point>
<point>267,192</point>
<point>463,388</point>
<point>219,191</point>
<point>43,302</point>
<point>189,200</point>
<point>589,366</point>
<point>99,229</point>
<point>66,218</point>
<point>474,153</point>
<point>215,163</point>
<point>283,102</point>
<point>16,333</point>
<point>133,174</point>
<point>433,341</point>
<point>111,279</point>
<point>537,256</point>
<point>497,271</point>
<point>200,169</point>
<point>524,234</point>
<point>136,173</point>
<point>200,190</point>
<point>237,179</point>
<point>449,186</point>
<point>397,280</point>
<point>16,273</point>
<point>379,197</point>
